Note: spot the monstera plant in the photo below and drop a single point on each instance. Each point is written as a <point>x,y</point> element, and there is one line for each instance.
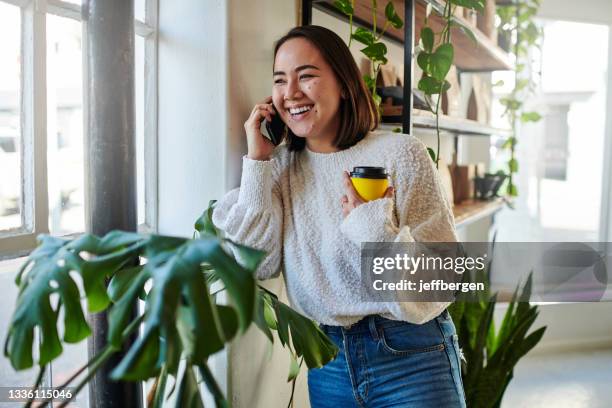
<point>182,319</point>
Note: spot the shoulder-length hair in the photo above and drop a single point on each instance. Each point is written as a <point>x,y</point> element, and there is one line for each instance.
<point>358,112</point>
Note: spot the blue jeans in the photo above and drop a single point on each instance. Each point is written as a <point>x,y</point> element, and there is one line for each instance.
<point>386,363</point>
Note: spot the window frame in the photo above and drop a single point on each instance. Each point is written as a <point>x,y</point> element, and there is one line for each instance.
<point>34,213</point>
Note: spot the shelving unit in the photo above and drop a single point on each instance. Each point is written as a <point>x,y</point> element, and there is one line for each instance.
<point>456,126</point>
<point>470,211</point>
<point>478,54</point>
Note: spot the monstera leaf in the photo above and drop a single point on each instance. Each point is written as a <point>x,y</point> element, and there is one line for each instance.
<point>181,318</point>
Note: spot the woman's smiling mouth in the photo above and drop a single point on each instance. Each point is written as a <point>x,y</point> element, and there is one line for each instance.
<point>300,112</point>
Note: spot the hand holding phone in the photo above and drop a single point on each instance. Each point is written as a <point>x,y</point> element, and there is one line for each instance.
<point>259,146</point>
<point>275,130</point>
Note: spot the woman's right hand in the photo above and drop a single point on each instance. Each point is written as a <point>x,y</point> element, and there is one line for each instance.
<point>259,147</point>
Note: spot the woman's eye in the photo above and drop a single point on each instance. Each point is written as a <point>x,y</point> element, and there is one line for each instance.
<point>279,81</point>
<point>305,76</point>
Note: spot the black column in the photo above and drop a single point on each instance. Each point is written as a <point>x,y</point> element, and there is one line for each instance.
<point>110,160</point>
<point>408,51</point>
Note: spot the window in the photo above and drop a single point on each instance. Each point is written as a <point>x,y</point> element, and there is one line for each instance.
<point>43,120</point>
<point>42,130</point>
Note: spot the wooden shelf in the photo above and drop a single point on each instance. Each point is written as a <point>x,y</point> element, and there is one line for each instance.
<point>482,56</point>
<point>472,210</point>
<point>456,126</point>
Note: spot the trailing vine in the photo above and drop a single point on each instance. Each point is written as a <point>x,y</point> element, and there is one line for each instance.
<point>375,50</point>
<point>436,61</point>
<point>517,24</point>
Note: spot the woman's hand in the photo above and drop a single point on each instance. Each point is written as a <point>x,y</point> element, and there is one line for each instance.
<point>352,199</point>
<point>259,147</point>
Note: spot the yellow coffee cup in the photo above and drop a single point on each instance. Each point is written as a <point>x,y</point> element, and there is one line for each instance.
<point>370,182</point>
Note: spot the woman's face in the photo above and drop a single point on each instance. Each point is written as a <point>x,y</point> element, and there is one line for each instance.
<point>306,92</point>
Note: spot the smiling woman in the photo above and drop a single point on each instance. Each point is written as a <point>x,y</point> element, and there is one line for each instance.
<point>315,72</point>
<point>297,203</point>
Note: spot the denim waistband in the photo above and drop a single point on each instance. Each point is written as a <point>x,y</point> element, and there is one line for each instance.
<point>366,325</point>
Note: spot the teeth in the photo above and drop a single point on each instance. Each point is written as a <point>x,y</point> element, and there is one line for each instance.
<point>295,111</point>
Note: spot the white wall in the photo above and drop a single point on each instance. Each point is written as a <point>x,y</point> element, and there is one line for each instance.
<point>587,11</point>
<point>257,373</point>
<point>193,56</point>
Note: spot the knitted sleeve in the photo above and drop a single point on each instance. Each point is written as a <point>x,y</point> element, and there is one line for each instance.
<point>420,212</point>
<point>252,215</point>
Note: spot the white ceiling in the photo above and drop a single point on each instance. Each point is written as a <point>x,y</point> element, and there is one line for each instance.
<point>591,11</point>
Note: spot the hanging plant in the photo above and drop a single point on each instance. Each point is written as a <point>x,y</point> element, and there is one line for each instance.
<point>517,23</point>
<point>375,50</point>
<point>435,58</point>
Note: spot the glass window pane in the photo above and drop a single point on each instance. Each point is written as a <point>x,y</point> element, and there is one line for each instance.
<point>8,376</point>
<point>140,159</point>
<point>65,126</point>
<point>139,9</point>
<point>10,134</point>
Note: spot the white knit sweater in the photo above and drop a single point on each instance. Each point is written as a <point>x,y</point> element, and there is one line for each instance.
<point>289,206</point>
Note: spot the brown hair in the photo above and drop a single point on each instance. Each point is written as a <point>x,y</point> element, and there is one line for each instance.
<point>358,112</point>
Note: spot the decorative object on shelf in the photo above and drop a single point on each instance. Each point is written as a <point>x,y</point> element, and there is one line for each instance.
<point>517,24</point>
<point>451,99</point>
<point>375,50</point>
<point>487,187</point>
<point>479,104</point>
<point>181,320</point>
<point>447,181</point>
<point>490,353</point>
<point>463,179</point>
<point>436,60</point>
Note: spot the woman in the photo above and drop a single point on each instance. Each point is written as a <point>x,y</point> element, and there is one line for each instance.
<point>297,203</point>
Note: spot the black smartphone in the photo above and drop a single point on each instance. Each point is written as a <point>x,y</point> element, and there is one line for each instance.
<point>274,130</point>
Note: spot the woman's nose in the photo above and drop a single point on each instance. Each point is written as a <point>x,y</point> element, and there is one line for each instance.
<point>293,91</point>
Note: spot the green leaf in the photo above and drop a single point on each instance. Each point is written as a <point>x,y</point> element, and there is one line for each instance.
<point>377,99</point>
<point>511,103</point>
<point>188,394</point>
<point>249,257</point>
<point>204,223</point>
<point>121,281</point>
<point>369,81</point>
<point>432,154</point>
<point>376,52</point>
<point>441,61</point>
<point>264,316</point>
<point>49,274</point>
<point>423,61</point>
<point>344,6</point>
<point>294,368</point>
<point>512,190</point>
<point>513,165</point>
<point>392,16</point>
<point>499,83</point>
<point>509,143</point>
<point>530,117</point>
<point>364,36</point>
<point>427,38</point>
<point>521,84</point>
<point>431,86</point>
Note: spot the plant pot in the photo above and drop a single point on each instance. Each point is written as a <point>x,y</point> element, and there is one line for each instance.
<point>487,187</point>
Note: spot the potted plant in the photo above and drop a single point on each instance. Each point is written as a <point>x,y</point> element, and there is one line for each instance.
<point>181,320</point>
